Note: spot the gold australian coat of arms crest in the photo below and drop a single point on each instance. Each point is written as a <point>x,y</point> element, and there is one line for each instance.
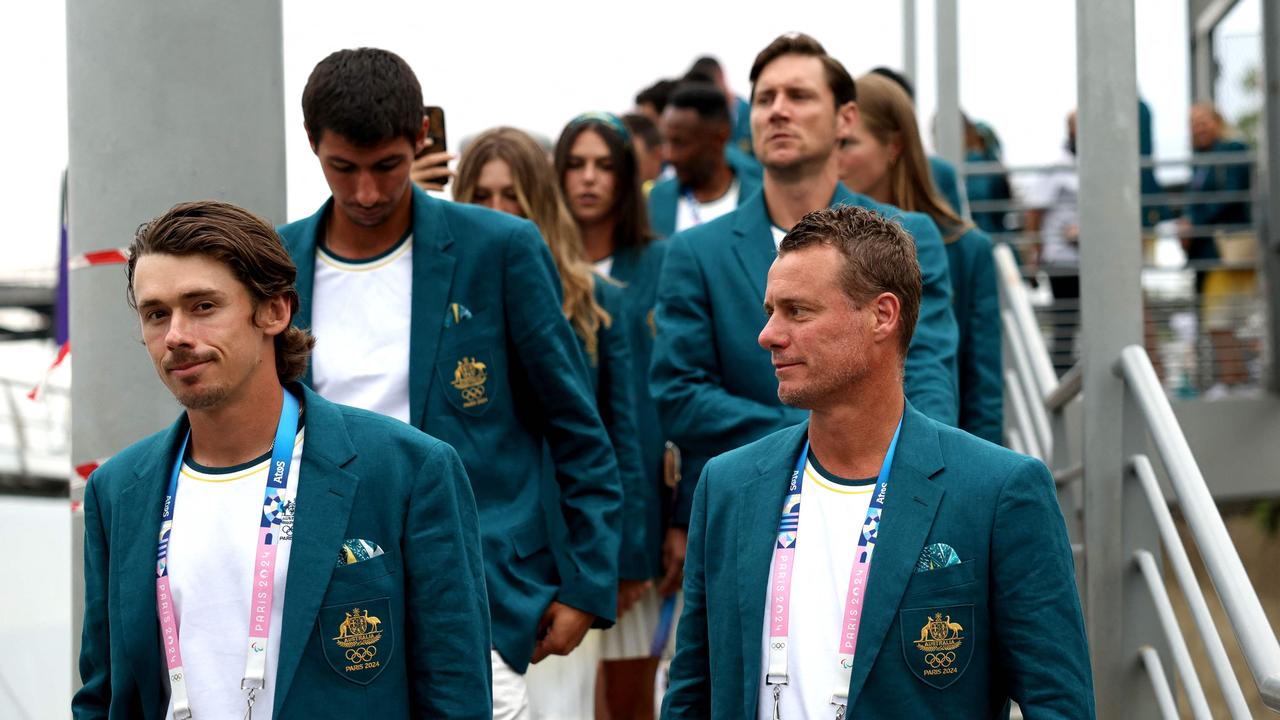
<point>469,378</point>
<point>938,640</point>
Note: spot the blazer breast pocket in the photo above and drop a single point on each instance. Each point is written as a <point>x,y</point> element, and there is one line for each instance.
<point>366,570</point>
<point>930,581</point>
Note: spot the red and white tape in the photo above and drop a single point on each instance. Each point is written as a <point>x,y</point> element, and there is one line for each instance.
<point>80,479</point>
<point>63,352</point>
<point>110,256</point>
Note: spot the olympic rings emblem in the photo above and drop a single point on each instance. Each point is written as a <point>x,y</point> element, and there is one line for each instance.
<point>939,660</point>
<point>473,394</point>
<point>361,654</point>
<point>779,646</point>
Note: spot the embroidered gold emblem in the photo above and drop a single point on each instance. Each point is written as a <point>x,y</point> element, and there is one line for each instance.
<point>469,378</point>
<point>938,640</point>
<point>358,632</point>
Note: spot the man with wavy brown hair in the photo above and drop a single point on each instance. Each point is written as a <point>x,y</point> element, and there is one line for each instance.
<point>279,584</point>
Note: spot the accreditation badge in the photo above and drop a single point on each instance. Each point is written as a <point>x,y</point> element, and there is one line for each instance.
<point>358,638</point>
<point>937,642</point>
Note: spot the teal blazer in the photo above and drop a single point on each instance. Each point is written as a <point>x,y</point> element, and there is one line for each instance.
<point>485,288</point>
<point>362,476</point>
<point>664,197</point>
<point>613,382</point>
<point>977,307</point>
<point>945,182</point>
<point>715,386</point>
<point>638,269</point>
<point>1014,592</point>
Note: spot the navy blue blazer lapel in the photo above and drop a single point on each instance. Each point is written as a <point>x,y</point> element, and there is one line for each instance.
<point>137,520</point>
<point>911,503</point>
<point>753,241</point>
<point>324,498</point>
<point>759,507</point>
<point>432,283</point>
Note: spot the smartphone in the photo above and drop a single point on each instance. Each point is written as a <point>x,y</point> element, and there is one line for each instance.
<point>435,129</point>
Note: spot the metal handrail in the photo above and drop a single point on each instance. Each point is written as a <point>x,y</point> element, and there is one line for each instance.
<point>1010,278</point>
<point>1177,556</point>
<point>1022,416</point>
<point>1069,386</point>
<point>1235,157</point>
<point>1173,634</point>
<point>1159,682</point>
<point>1039,419</point>
<point>1248,620</point>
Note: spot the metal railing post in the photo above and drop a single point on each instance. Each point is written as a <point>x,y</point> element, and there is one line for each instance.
<point>949,129</point>
<point>1270,236</point>
<point>909,40</point>
<point>1118,610</point>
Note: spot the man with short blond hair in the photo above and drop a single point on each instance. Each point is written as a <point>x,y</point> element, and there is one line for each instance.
<point>938,605</point>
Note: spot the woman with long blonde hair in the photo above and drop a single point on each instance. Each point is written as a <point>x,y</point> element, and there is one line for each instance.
<point>505,169</point>
<point>883,157</point>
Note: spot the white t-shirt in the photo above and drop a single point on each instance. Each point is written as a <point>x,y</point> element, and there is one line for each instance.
<point>831,516</point>
<point>604,266</point>
<point>212,548</point>
<point>778,235</point>
<point>360,316</point>
<point>691,214</point>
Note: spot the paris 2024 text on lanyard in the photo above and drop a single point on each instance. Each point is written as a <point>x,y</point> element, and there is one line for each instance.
<point>784,554</point>
<point>264,570</point>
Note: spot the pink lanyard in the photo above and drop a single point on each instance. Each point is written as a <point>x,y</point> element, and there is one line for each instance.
<point>780,582</point>
<point>264,573</point>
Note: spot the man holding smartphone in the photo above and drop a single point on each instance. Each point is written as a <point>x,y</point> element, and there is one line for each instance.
<point>448,317</point>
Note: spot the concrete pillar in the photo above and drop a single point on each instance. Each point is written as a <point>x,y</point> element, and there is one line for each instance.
<point>1118,609</point>
<point>168,102</point>
<point>949,129</point>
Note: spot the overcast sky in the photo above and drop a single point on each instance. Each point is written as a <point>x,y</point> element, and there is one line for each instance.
<point>536,65</point>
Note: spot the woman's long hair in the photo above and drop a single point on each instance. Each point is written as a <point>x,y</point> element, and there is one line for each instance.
<point>538,194</point>
<point>887,113</point>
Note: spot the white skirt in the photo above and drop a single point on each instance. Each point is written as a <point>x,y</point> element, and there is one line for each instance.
<point>632,637</point>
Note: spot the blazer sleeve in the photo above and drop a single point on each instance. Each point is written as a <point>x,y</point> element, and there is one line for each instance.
<point>1033,587</point>
<point>617,402</point>
<point>931,376</point>
<point>689,680</point>
<point>697,412</point>
<point>93,699</point>
<point>982,381</point>
<point>451,671</point>
<point>585,465</point>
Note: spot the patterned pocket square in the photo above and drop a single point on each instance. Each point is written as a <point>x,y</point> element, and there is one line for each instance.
<point>356,550</point>
<point>935,556</point>
<point>456,314</point>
